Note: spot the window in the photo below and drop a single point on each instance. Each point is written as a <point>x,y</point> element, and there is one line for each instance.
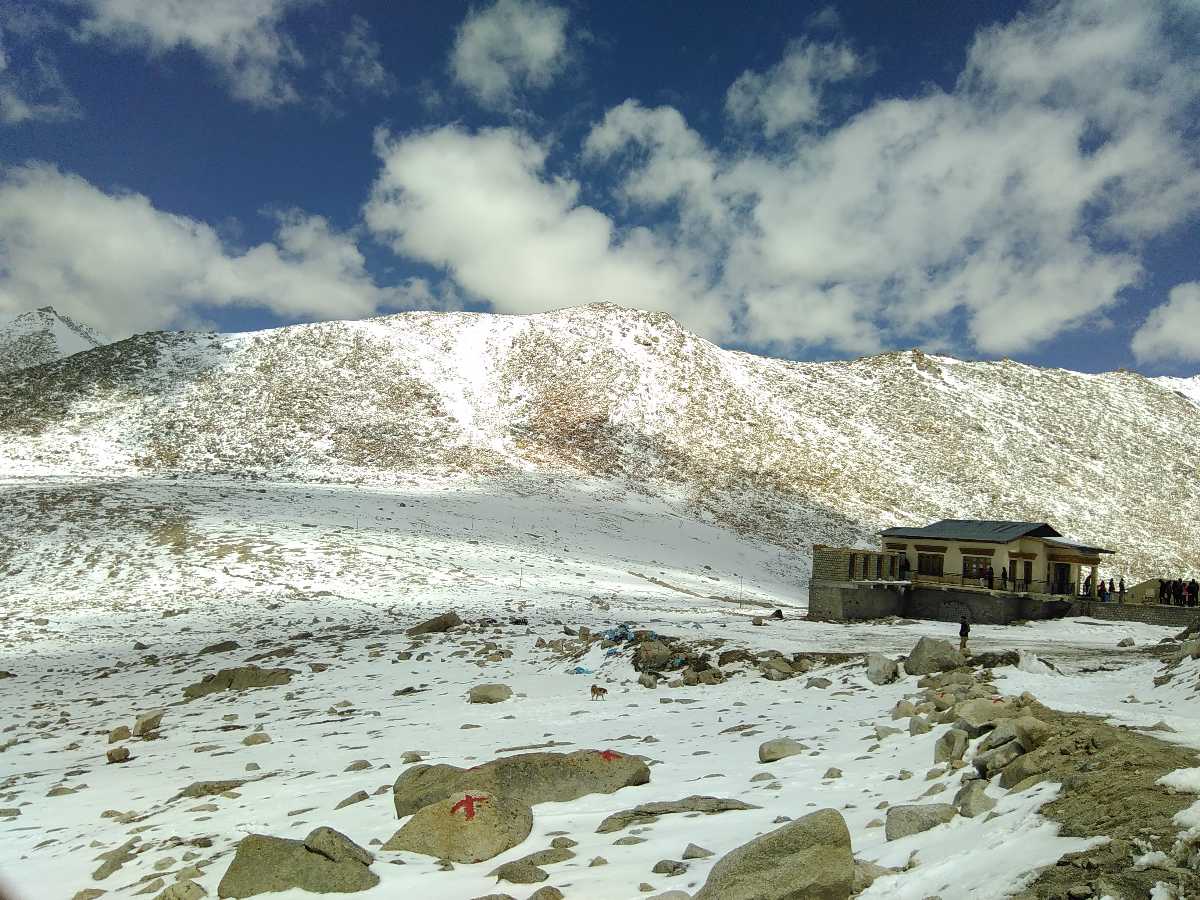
<point>930,563</point>
<point>853,564</point>
<point>975,566</point>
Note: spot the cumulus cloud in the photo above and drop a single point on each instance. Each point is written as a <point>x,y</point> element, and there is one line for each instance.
<point>997,214</point>
<point>480,205</point>
<point>117,262</point>
<point>1172,331</point>
<point>31,87</point>
<point>357,67</point>
<point>509,47</point>
<point>243,39</point>
<point>789,94</point>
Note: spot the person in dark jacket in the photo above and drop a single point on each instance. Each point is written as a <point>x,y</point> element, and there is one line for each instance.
<point>991,576</point>
<point>1004,578</point>
<point>1162,590</point>
<point>1121,590</point>
<point>964,632</point>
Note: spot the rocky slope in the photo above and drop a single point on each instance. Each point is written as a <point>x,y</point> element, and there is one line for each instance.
<point>41,336</point>
<point>792,452</point>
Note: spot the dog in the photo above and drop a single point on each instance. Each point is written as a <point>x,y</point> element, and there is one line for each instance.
<point>599,693</point>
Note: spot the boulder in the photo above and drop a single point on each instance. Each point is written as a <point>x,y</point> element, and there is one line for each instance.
<point>241,678</point>
<point>914,818</point>
<point>918,725</point>
<point>993,660</point>
<point>148,722</point>
<point>120,733</point>
<point>650,811</point>
<point>992,761</point>
<point>669,867</point>
<point>729,657</point>
<point>324,862</point>
<point>806,859</point>
<point>648,680</point>
<point>881,670</point>
<point>466,827</point>
<point>1032,732</point>
<point>933,655</point>
<point>1125,642</point>
<point>981,714</point>
<point>652,656</point>
<point>528,778</point>
<point>519,871</point>
<point>779,748</point>
<point>117,754</point>
<point>181,890</point>
<point>903,709</point>
<point>950,746</point>
<point>1023,767</point>
<point>866,874</point>
<point>694,851</point>
<point>819,683</point>
<point>489,693</point>
<point>777,666</point>
<point>436,625</point>
<point>972,799</point>
<point>222,647</point>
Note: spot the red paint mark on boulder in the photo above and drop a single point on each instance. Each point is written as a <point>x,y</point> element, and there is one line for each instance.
<point>467,803</point>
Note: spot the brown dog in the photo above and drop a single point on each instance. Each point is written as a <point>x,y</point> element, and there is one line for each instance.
<point>599,693</point>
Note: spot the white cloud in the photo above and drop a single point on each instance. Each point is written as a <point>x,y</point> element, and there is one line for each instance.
<point>480,205</point>
<point>790,93</point>
<point>1172,331</point>
<point>121,265</point>
<point>31,87</point>
<point>243,39</point>
<point>358,67</point>
<point>509,47</point>
<point>1012,207</point>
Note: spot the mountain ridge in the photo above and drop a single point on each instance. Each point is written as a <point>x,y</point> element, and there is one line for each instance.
<point>793,452</point>
<point>40,336</point>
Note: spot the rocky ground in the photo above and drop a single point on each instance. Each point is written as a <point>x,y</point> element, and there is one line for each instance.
<point>243,699</point>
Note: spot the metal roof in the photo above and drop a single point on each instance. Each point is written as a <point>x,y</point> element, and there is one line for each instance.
<point>984,530</point>
<point>1069,544</point>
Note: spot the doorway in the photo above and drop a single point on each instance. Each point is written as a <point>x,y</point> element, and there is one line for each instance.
<point>1062,577</point>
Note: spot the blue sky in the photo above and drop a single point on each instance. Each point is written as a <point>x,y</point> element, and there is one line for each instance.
<point>818,181</point>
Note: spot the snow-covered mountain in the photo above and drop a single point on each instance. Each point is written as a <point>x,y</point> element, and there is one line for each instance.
<point>41,336</point>
<point>1188,387</point>
<point>785,451</point>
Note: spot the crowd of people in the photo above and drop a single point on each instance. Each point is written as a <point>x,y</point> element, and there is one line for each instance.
<point>1177,592</point>
<point>1112,592</point>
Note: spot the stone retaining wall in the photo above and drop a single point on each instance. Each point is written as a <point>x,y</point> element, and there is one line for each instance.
<point>1169,616</point>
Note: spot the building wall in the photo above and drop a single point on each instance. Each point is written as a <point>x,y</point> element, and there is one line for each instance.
<point>1001,556</point>
<point>1169,616</point>
<point>853,601</point>
<point>846,601</point>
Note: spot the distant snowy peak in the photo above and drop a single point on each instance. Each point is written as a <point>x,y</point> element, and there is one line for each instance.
<point>1188,387</point>
<point>43,335</point>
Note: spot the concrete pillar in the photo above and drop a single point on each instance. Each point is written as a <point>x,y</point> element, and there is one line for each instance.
<point>1095,583</point>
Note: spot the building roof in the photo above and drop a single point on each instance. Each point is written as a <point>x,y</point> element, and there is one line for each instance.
<point>991,532</point>
<point>984,530</point>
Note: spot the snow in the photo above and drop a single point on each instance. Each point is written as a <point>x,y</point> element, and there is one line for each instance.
<point>183,563</point>
<point>1184,780</point>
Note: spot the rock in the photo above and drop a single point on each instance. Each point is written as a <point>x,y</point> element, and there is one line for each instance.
<point>692,851</point>
<point>648,811</point>
<point>903,709</point>
<point>884,731</point>
<point>669,867</point>
<point>915,818</point>
<point>120,733</point>
<point>807,859</point>
<point>881,670</point>
<point>866,873</point>
<point>198,789</point>
<point>489,693</point>
<point>222,647</point>
<point>832,772</point>
<point>436,625</point>
<point>992,660</point>
<point>113,859</point>
<point>1125,642</point>
<point>980,715</point>
<point>528,778</point>
<point>467,827</point>
<point>148,722</point>
<point>182,890</point>
<point>950,746</point>
<point>648,680</point>
<point>356,797</point>
<point>932,655</point>
<point>597,861</point>
<point>918,725</point>
<point>820,683</point>
<point>779,666</point>
<point>1032,732</point>
<point>756,620</point>
<point>549,892</point>
<point>519,871</point>
<point>972,799</point>
<point>258,737</point>
<point>241,678</point>
<point>118,754</point>
<point>652,656</point>
<point>992,761</point>
<point>779,748</point>
<point>324,862</point>
<point>729,657</point>
<point>1023,768</point>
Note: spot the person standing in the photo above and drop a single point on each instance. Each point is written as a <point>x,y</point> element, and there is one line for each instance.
<point>1194,589</point>
<point>1004,578</point>
<point>964,632</point>
<point>1121,590</point>
<point>991,576</point>
<point>1103,593</point>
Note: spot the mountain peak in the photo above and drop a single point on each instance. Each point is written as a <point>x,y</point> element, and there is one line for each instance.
<point>39,336</point>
